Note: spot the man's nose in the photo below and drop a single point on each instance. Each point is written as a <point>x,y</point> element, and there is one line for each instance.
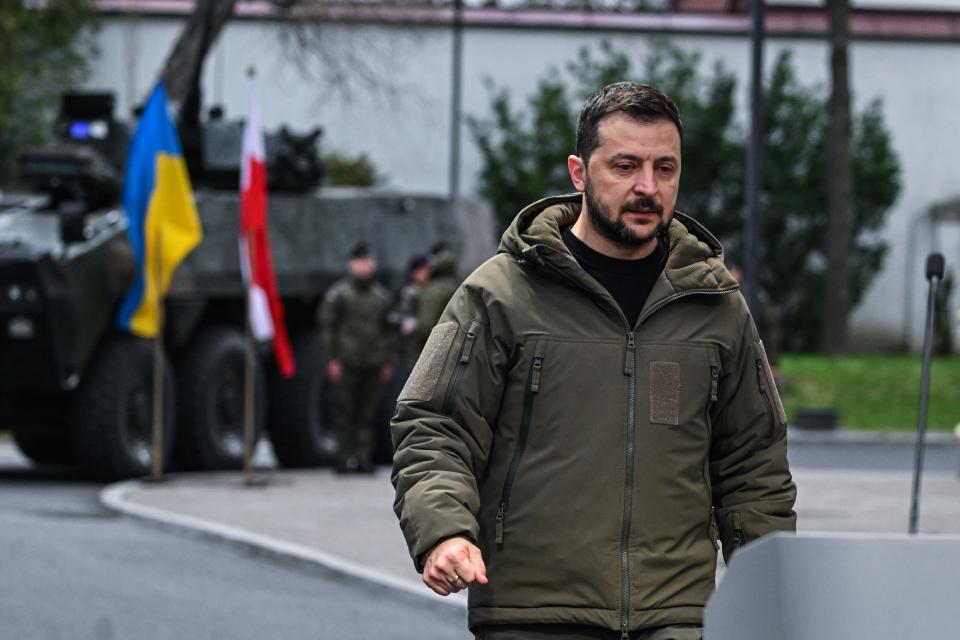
<point>645,183</point>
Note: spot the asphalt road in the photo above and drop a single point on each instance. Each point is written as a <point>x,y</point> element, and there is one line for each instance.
<point>71,569</point>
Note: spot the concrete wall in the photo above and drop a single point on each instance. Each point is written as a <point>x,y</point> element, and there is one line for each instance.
<point>399,115</point>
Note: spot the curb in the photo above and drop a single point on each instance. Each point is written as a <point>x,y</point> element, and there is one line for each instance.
<point>114,497</point>
<point>856,437</point>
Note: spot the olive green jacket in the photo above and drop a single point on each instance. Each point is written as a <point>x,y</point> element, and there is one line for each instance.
<point>353,323</point>
<point>595,464</point>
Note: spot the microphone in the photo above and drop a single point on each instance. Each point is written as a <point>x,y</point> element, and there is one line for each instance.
<point>934,275</point>
<point>935,266</point>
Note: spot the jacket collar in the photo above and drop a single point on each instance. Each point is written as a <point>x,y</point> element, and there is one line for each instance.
<point>694,256</point>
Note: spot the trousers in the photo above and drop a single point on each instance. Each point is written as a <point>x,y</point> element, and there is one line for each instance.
<point>358,396</point>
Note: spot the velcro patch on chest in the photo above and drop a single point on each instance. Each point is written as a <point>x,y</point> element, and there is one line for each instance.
<point>665,393</point>
<point>426,373</point>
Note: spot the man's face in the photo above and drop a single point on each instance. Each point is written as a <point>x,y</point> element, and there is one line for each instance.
<point>631,180</point>
<point>362,268</point>
<point>421,275</point>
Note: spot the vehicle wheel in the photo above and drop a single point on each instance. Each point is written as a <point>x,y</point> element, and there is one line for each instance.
<point>210,387</point>
<point>112,414</point>
<point>45,445</point>
<point>301,417</point>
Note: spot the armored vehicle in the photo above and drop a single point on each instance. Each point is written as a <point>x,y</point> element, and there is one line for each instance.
<point>74,390</point>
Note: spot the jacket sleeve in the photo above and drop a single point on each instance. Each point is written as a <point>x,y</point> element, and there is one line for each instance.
<point>753,491</point>
<point>328,318</point>
<point>443,427</point>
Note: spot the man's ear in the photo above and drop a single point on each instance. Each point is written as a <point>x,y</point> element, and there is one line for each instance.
<point>578,171</point>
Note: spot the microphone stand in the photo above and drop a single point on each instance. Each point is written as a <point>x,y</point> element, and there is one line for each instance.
<point>934,275</point>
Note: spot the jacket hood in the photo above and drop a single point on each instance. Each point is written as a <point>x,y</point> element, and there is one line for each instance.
<point>694,260</point>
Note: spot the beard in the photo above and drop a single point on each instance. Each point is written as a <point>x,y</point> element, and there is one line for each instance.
<point>613,228</point>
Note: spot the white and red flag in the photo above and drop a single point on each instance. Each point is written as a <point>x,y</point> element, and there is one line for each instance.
<point>265,306</point>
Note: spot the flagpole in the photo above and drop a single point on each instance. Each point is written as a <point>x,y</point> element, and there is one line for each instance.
<point>249,405</point>
<point>158,370</point>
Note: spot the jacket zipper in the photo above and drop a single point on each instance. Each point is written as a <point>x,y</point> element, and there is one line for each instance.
<point>682,294</point>
<point>765,392</point>
<point>533,388</point>
<point>737,531</point>
<point>629,369</point>
<point>465,350</point>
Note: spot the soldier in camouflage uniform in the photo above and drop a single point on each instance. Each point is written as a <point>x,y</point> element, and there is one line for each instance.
<point>353,321</point>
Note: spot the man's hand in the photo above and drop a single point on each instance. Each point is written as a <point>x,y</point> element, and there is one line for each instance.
<point>334,371</point>
<point>453,565</point>
<point>408,326</point>
<point>386,372</point>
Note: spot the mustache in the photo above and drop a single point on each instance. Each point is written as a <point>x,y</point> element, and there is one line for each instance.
<point>643,204</point>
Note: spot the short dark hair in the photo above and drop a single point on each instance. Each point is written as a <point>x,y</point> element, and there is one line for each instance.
<point>360,250</point>
<point>417,262</point>
<point>639,101</point>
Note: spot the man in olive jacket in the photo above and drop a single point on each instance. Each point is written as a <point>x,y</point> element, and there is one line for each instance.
<point>594,410</point>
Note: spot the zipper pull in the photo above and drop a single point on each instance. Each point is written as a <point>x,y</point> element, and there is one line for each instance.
<point>761,378</point>
<point>500,523</point>
<point>628,358</point>
<point>737,530</point>
<point>624,634</point>
<point>714,378</point>
<point>468,345</point>
<point>535,377</point>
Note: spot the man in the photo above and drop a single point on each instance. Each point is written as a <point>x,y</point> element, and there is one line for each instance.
<point>353,320</point>
<point>594,409</point>
<point>438,291</point>
<point>405,315</point>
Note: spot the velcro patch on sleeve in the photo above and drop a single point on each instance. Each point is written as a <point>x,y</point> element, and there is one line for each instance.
<point>426,373</point>
<point>665,393</point>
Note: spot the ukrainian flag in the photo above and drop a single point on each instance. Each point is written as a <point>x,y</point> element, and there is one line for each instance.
<point>162,218</point>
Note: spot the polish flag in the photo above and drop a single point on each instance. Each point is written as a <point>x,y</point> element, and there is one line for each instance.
<point>265,306</point>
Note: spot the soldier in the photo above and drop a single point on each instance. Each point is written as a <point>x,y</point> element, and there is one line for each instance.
<point>443,283</point>
<point>406,314</point>
<point>353,321</point>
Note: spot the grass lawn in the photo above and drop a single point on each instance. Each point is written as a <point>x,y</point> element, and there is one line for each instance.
<point>878,392</point>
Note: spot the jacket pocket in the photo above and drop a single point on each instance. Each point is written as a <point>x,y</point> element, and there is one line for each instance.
<point>423,381</point>
<point>466,349</point>
<point>768,389</point>
<point>530,393</point>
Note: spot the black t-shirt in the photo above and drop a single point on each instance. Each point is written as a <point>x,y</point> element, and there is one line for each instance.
<point>628,281</point>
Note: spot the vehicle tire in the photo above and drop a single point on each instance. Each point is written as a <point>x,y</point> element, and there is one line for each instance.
<point>45,445</point>
<point>210,387</point>
<point>301,415</point>
<point>112,412</point>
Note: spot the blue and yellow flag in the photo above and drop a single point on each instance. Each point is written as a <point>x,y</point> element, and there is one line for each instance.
<point>162,218</point>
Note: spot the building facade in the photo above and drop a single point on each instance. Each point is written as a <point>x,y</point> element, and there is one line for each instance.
<point>379,81</point>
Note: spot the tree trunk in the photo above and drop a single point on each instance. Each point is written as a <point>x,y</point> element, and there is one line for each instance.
<point>182,69</point>
<point>834,330</point>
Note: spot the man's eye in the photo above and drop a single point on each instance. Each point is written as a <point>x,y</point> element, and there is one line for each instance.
<point>624,168</point>
<point>666,170</point>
